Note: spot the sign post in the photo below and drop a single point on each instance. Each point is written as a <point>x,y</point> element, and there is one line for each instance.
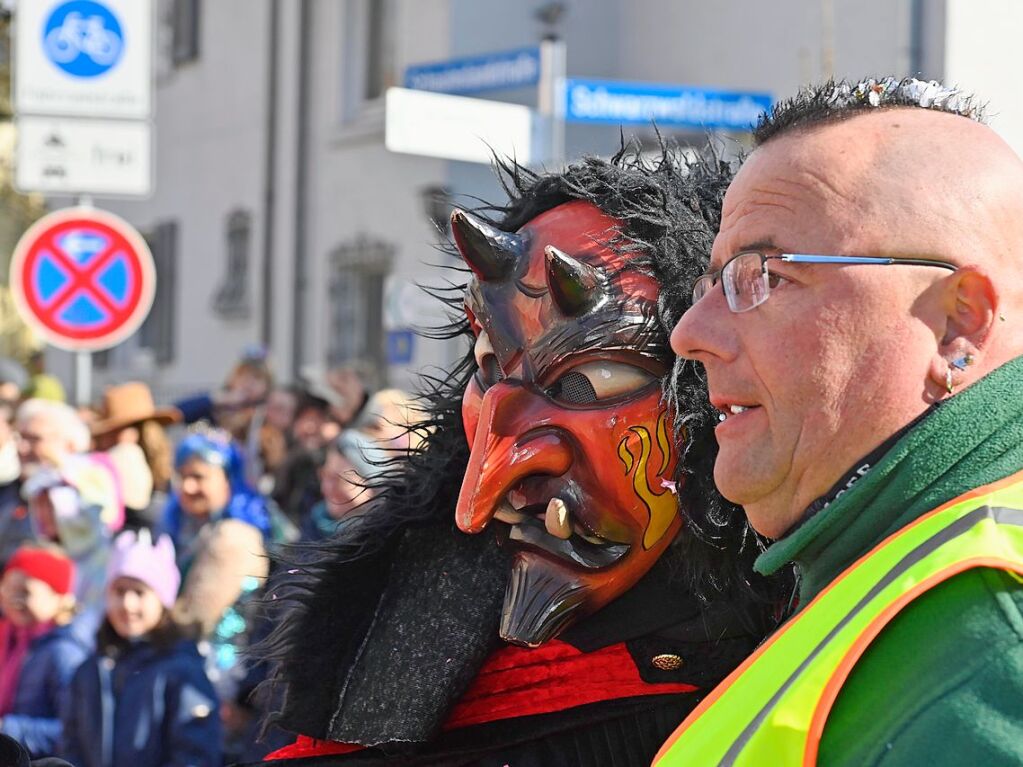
<point>552,76</point>
<point>83,95</point>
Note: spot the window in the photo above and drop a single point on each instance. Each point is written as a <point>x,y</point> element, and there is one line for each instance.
<point>379,60</point>
<point>356,291</point>
<point>232,298</point>
<point>369,56</point>
<point>157,332</point>
<point>185,30</point>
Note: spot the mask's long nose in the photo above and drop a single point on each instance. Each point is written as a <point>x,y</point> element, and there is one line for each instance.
<point>511,442</point>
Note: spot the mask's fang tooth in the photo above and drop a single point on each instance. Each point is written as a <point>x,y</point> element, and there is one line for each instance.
<point>556,519</point>
<point>507,513</point>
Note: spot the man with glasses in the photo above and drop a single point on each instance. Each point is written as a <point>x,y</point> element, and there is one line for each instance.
<point>860,329</point>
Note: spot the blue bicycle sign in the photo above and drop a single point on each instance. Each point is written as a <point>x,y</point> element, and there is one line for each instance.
<point>83,38</point>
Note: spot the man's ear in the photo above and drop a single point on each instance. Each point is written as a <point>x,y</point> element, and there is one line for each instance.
<point>970,306</point>
<point>971,309</point>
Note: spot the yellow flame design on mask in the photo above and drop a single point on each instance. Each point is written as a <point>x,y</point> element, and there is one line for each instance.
<point>662,506</point>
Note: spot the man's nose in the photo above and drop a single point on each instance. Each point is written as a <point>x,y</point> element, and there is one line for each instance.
<point>705,330</point>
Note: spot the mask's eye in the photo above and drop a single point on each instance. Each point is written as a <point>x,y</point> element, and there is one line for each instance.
<point>489,372</point>
<point>594,382</point>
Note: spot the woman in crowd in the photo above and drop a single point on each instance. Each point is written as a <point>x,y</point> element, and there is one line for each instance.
<point>389,418</point>
<point>41,648</point>
<point>15,526</point>
<point>211,487</point>
<point>66,507</point>
<point>296,488</point>
<point>222,596</point>
<point>130,430</point>
<point>52,435</point>
<point>351,460</point>
<point>239,407</point>
<point>275,436</point>
<point>143,699</point>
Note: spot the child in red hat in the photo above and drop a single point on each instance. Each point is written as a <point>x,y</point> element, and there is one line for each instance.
<point>39,648</point>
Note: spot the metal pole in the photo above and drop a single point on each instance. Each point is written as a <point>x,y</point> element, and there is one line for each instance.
<point>83,378</point>
<point>83,360</point>
<point>550,99</point>
<point>828,38</point>
<point>300,259</point>
<point>270,178</point>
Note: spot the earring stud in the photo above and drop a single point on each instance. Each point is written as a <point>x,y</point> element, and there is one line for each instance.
<point>962,362</point>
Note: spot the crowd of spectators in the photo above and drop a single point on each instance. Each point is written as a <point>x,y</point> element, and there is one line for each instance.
<point>134,552</point>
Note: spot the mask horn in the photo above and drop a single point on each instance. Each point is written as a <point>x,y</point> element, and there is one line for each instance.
<point>489,252</point>
<point>575,287</point>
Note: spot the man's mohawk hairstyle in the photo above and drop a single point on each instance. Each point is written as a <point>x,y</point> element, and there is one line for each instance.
<point>834,101</point>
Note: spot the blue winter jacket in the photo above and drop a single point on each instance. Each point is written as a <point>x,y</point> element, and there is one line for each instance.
<point>51,661</point>
<point>147,708</point>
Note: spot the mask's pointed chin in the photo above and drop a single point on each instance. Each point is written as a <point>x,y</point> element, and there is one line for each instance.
<point>541,600</point>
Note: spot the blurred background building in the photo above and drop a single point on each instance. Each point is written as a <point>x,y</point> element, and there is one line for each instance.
<point>280,218</point>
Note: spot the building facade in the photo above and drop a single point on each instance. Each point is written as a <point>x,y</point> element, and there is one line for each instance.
<point>280,219</point>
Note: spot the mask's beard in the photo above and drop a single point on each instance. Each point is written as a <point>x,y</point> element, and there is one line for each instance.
<point>539,602</point>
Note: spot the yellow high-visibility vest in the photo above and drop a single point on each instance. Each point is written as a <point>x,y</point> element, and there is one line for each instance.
<point>772,709</point>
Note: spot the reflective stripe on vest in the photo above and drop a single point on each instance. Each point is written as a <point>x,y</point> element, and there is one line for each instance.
<point>772,709</point>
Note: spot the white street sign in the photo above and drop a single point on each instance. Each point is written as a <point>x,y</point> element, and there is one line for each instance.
<point>458,128</point>
<point>84,58</point>
<point>57,155</point>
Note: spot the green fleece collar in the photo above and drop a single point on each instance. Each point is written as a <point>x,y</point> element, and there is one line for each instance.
<point>974,438</point>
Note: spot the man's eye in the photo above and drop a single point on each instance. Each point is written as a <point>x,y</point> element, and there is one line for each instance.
<point>774,280</point>
<point>594,382</point>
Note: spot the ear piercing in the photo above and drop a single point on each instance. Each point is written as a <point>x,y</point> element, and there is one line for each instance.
<point>959,363</point>
<point>963,361</point>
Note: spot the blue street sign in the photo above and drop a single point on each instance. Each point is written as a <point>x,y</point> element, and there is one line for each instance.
<point>492,71</point>
<point>83,38</point>
<point>400,344</point>
<point>625,103</point>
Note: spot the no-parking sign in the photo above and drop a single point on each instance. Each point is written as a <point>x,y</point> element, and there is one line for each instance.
<point>83,279</point>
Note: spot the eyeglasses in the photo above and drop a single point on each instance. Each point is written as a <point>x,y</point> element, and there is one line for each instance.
<point>747,282</point>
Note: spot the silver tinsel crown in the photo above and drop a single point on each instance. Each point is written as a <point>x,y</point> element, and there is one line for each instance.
<point>890,91</point>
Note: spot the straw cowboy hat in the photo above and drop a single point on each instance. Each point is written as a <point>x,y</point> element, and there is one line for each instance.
<point>128,404</point>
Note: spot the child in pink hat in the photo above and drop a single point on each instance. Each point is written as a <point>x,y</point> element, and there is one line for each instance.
<point>136,556</point>
<point>141,647</point>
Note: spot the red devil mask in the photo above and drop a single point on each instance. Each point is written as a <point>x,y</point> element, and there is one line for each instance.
<point>570,443</point>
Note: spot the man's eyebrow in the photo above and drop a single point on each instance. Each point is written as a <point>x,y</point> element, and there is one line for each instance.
<point>757,245</point>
